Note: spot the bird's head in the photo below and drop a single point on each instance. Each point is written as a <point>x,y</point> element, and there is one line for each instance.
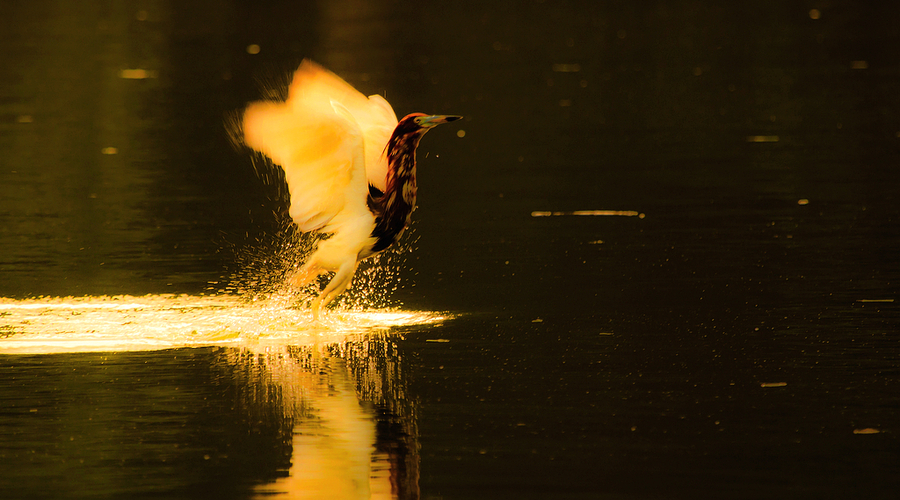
<point>419,123</point>
<point>409,131</point>
<point>430,121</point>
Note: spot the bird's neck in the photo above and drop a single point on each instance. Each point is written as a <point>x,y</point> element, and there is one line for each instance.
<point>396,205</point>
<point>401,174</point>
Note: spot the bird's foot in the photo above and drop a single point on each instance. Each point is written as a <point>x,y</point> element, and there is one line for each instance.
<point>316,308</point>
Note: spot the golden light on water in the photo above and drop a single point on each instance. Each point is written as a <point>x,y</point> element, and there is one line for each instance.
<point>325,375</point>
<point>151,322</point>
<point>620,213</point>
<point>137,74</point>
<point>762,138</point>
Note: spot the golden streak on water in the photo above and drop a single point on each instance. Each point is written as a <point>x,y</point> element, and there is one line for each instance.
<point>762,138</point>
<point>137,74</point>
<point>153,322</point>
<point>625,213</point>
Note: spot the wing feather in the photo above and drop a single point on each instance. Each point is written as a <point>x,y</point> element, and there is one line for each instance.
<point>374,115</point>
<point>321,152</point>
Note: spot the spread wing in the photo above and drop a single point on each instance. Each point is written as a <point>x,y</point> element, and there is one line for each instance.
<point>374,115</point>
<point>320,147</point>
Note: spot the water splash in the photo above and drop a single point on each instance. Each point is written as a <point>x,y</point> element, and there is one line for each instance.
<point>261,270</point>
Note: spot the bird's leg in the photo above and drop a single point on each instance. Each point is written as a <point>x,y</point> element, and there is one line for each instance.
<point>335,287</point>
<point>310,271</point>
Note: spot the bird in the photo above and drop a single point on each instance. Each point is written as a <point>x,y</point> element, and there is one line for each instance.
<point>350,168</point>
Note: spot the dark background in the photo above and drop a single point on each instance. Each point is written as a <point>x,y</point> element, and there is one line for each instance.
<point>593,357</point>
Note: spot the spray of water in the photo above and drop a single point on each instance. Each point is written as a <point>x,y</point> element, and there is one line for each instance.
<point>263,267</point>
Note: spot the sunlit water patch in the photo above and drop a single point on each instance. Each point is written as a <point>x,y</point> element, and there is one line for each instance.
<point>128,323</point>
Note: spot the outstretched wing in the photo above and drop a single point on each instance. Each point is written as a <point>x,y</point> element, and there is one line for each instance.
<point>374,115</point>
<point>320,147</point>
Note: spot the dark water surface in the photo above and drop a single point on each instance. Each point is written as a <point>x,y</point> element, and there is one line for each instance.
<point>738,339</point>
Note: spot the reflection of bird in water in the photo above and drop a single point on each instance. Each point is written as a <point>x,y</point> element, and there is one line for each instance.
<point>350,168</point>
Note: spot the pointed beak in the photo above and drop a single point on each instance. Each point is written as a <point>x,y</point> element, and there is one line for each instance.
<point>435,120</point>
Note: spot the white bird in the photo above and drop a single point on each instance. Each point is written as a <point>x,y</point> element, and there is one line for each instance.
<point>350,168</point>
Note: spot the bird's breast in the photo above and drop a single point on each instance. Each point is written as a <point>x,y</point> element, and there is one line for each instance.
<point>409,193</point>
<point>394,215</point>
